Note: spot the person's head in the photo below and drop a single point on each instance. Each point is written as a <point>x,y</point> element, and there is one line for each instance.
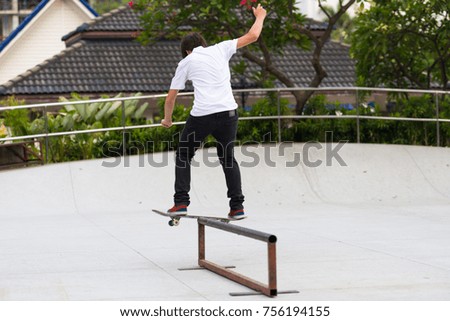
<point>191,41</point>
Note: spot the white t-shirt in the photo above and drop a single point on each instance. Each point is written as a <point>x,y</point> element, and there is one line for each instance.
<point>209,71</point>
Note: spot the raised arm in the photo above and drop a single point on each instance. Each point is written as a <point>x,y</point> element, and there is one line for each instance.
<point>253,34</point>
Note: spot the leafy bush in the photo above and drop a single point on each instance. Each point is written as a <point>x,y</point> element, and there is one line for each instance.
<point>147,140</point>
<point>374,130</point>
<point>18,119</point>
<point>110,143</point>
<point>264,130</point>
<point>71,117</point>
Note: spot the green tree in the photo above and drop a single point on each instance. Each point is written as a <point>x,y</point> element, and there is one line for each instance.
<point>332,18</point>
<point>403,43</point>
<point>343,28</point>
<point>224,19</point>
<point>104,6</point>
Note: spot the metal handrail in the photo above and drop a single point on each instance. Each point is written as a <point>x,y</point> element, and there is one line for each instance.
<point>259,90</point>
<point>256,90</point>
<point>342,117</point>
<point>101,130</point>
<point>90,101</point>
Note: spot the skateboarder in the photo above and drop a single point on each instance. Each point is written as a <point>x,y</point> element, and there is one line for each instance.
<point>214,111</point>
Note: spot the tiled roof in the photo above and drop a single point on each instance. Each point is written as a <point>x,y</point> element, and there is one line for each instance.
<point>315,25</point>
<point>101,66</point>
<point>121,19</point>
<point>124,65</point>
<point>335,60</point>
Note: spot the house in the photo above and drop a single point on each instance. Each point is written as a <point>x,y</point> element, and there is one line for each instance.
<point>39,35</point>
<point>103,57</point>
<point>12,13</point>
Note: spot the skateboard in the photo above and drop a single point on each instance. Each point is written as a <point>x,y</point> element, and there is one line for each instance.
<point>175,218</point>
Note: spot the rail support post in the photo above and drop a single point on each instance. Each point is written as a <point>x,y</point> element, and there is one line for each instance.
<point>269,289</point>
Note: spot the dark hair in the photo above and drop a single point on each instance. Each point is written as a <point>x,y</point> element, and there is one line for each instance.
<point>191,41</point>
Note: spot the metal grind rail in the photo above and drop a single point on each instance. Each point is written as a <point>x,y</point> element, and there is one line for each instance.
<point>269,289</point>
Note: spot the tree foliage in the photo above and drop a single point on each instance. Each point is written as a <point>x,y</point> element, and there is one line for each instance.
<point>104,6</point>
<point>224,19</point>
<point>332,18</point>
<point>219,20</point>
<point>343,28</point>
<point>403,43</point>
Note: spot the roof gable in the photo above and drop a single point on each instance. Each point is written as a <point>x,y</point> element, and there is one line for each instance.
<point>41,6</point>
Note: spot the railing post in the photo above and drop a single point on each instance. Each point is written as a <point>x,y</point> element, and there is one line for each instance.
<point>201,242</point>
<point>124,147</point>
<point>47,145</point>
<point>272,261</point>
<point>358,134</point>
<point>438,134</point>
<point>279,116</point>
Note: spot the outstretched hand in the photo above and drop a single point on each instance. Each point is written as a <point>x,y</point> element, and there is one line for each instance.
<point>259,11</point>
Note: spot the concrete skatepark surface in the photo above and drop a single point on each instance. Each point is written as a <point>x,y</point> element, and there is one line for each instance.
<point>375,229</point>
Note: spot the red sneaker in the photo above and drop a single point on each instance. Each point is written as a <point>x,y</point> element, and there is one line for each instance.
<point>237,214</point>
<point>178,209</point>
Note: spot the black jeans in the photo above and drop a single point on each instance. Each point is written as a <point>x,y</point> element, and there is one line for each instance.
<point>222,126</point>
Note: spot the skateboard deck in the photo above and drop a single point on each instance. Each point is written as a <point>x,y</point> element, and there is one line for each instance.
<point>175,218</point>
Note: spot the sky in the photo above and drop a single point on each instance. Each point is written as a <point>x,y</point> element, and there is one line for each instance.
<point>311,8</point>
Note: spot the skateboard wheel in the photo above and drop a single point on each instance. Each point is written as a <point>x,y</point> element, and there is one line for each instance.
<point>171,223</point>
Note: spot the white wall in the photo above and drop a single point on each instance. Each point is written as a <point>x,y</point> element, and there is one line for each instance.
<point>41,38</point>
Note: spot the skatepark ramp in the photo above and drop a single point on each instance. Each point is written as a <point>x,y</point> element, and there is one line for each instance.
<point>353,221</point>
<point>273,176</point>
